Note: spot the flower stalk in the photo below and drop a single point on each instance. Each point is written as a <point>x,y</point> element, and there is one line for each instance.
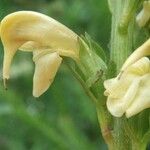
<point>121,46</point>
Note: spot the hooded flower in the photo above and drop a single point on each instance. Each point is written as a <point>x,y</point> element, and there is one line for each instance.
<point>42,35</point>
<point>129,92</point>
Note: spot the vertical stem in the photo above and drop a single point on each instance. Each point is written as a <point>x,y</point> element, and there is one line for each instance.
<point>122,31</point>
<point>123,16</point>
<point>121,47</point>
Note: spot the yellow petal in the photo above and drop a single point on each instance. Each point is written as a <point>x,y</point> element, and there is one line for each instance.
<point>36,31</point>
<point>129,94</point>
<point>141,67</point>
<point>117,107</point>
<point>114,88</point>
<point>142,99</point>
<point>32,46</point>
<point>142,51</point>
<point>45,70</point>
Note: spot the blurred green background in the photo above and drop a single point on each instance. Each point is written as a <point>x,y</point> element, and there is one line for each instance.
<point>64,117</point>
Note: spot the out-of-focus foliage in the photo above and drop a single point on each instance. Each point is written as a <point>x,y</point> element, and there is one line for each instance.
<point>64,117</point>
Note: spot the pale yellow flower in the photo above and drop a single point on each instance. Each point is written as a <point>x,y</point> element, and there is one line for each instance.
<point>130,94</point>
<point>42,35</point>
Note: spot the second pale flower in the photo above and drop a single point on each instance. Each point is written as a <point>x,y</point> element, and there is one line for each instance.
<point>130,94</point>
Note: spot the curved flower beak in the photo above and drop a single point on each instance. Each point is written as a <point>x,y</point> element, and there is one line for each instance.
<point>32,31</point>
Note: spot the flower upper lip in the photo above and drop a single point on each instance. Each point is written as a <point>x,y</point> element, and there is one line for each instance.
<point>42,35</point>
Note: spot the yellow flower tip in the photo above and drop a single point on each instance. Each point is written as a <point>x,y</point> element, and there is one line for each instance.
<point>45,70</point>
<point>129,95</point>
<point>144,15</point>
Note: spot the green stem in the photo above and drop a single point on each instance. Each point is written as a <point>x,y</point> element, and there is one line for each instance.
<point>121,43</point>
